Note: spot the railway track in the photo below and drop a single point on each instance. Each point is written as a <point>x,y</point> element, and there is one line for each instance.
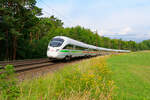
<point>24,65</point>
<point>28,69</point>
<point>30,64</point>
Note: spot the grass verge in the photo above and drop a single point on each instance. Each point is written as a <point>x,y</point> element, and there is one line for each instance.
<point>87,80</point>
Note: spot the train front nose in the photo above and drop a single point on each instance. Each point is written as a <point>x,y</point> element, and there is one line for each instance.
<point>52,52</point>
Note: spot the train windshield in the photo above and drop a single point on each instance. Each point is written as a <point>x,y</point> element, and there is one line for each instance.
<point>56,42</point>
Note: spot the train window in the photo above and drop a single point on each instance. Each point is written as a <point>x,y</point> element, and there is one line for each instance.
<point>80,48</point>
<point>58,39</point>
<point>95,50</point>
<point>74,47</point>
<point>69,46</point>
<point>91,49</point>
<point>86,50</point>
<point>56,42</point>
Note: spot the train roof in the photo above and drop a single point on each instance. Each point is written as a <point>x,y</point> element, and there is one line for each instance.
<point>78,43</point>
<point>75,42</point>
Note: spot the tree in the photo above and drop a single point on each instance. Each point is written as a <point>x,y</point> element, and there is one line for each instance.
<point>16,14</point>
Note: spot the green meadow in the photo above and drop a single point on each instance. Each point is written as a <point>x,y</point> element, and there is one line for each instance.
<point>131,74</point>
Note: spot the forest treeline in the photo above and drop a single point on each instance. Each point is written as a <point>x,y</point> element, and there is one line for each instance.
<point>25,35</point>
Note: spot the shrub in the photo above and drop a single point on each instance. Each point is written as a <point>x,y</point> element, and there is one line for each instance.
<point>8,83</point>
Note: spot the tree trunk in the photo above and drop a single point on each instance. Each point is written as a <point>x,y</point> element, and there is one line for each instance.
<point>30,37</point>
<point>37,36</point>
<point>14,47</point>
<point>7,48</point>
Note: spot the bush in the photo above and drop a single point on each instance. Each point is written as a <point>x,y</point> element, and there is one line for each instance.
<point>8,84</point>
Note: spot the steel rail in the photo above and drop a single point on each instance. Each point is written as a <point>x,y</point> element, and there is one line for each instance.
<point>24,65</point>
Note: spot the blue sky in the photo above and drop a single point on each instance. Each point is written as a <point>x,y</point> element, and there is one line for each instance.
<point>126,19</point>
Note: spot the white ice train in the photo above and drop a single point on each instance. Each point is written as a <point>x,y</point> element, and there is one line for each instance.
<point>61,47</point>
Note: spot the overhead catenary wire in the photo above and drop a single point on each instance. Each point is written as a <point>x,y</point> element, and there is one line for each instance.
<point>57,13</point>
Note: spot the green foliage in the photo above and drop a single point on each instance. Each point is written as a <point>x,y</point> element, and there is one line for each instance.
<point>18,18</point>
<point>8,83</point>
<point>22,32</point>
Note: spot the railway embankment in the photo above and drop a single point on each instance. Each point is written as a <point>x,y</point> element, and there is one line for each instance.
<point>86,79</point>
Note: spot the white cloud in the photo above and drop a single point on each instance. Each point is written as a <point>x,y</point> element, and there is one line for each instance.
<point>125,31</point>
<point>99,16</point>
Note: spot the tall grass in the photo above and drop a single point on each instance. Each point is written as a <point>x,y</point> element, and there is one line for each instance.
<point>87,80</point>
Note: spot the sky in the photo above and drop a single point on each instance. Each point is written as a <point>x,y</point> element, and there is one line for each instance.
<point>125,19</point>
